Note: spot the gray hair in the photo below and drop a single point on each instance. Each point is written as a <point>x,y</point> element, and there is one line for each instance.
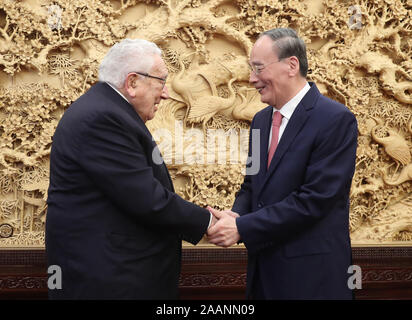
<point>127,56</point>
<point>288,44</point>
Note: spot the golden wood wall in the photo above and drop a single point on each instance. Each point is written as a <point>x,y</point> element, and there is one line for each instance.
<point>359,54</point>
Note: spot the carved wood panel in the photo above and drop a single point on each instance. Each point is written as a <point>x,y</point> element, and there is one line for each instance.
<point>219,273</point>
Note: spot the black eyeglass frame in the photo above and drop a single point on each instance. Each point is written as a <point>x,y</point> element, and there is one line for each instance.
<point>257,69</point>
<point>150,76</point>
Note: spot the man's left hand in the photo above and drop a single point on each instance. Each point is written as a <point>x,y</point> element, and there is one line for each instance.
<point>224,233</point>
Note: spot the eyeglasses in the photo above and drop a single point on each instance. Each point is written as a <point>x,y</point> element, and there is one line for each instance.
<point>257,69</point>
<point>150,76</point>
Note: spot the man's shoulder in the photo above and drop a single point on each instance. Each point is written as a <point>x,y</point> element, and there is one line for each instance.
<point>91,110</point>
<point>92,95</point>
<point>332,108</point>
<point>332,115</point>
<point>98,101</point>
<point>262,114</point>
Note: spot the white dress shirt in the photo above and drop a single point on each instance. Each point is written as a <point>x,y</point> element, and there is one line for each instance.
<point>287,110</point>
<point>115,89</point>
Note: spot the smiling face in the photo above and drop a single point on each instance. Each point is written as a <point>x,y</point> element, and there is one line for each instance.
<point>272,82</point>
<point>145,93</point>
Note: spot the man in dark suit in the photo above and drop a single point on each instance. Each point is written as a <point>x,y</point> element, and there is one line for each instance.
<point>114,224</point>
<point>293,215</point>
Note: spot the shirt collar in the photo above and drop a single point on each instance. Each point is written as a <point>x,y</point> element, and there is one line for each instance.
<point>288,109</point>
<point>115,89</point>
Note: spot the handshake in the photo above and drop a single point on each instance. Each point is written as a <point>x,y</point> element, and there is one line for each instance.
<point>223,230</point>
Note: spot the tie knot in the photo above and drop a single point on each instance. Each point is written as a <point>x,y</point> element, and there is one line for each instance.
<point>277,119</point>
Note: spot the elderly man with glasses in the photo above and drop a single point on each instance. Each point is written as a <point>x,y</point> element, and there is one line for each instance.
<point>114,224</point>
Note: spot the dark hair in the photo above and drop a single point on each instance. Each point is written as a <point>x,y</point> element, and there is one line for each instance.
<point>287,44</point>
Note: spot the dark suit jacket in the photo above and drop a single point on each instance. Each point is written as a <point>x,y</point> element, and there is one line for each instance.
<point>295,215</point>
<point>114,224</point>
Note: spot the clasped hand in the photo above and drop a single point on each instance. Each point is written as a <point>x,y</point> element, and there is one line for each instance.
<point>223,230</point>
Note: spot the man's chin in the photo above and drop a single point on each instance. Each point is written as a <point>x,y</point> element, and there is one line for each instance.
<point>151,116</point>
<point>265,101</point>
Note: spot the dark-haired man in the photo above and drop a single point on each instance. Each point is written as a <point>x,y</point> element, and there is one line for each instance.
<point>293,215</point>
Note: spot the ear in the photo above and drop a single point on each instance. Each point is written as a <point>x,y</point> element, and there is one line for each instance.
<point>131,84</point>
<point>294,66</point>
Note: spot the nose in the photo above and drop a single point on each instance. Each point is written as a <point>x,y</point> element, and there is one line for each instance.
<point>252,77</point>
<point>165,93</point>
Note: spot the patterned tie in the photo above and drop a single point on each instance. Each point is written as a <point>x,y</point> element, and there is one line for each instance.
<point>277,120</point>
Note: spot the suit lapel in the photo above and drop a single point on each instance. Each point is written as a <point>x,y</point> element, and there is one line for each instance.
<point>294,126</point>
<point>154,145</point>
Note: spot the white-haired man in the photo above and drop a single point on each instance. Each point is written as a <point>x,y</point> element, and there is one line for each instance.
<point>114,223</point>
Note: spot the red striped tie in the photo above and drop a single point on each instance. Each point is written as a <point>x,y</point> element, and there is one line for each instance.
<point>277,120</point>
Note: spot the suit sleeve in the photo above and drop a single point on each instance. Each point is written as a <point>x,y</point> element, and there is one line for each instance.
<point>242,204</point>
<point>115,161</point>
<point>328,177</point>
